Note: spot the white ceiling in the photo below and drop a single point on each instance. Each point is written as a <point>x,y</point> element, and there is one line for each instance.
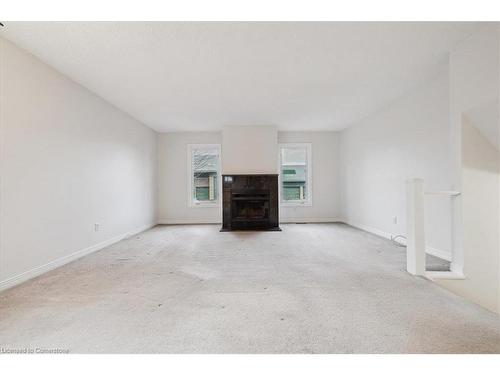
<point>188,76</point>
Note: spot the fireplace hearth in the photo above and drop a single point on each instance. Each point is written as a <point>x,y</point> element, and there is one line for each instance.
<point>250,202</point>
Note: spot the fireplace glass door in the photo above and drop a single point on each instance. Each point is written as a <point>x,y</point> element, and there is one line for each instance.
<point>251,210</point>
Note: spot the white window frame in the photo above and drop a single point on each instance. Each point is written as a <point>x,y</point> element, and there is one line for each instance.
<point>191,202</point>
<point>300,202</point>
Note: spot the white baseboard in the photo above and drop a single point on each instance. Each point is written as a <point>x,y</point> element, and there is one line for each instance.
<point>444,275</point>
<point>25,276</point>
<point>189,221</point>
<point>290,220</point>
<point>428,249</point>
<point>369,229</point>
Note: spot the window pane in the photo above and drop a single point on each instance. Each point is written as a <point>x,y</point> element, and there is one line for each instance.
<point>205,164</point>
<point>294,156</point>
<point>294,173</point>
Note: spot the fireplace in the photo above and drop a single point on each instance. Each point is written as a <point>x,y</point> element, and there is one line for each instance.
<point>250,202</point>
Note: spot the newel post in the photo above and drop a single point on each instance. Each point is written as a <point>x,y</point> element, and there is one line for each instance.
<point>415,245</point>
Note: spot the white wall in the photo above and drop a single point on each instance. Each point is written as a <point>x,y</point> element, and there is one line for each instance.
<point>68,160</point>
<point>480,187</point>
<point>173,179</point>
<point>325,178</point>
<point>474,87</point>
<point>407,139</point>
<point>473,83</point>
<point>239,146</point>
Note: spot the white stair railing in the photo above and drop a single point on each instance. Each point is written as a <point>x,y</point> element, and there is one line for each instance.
<point>415,243</point>
<point>415,236</point>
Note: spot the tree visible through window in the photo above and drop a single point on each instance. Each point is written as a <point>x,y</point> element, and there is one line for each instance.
<point>204,173</point>
<point>295,160</point>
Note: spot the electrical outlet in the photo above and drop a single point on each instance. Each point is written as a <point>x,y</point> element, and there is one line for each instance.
<point>394,219</point>
<point>97,227</point>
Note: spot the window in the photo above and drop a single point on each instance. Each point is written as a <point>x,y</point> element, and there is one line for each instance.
<point>295,173</point>
<point>204,175</point>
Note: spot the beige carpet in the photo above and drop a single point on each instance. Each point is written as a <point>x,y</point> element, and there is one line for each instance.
<point>315,288</point>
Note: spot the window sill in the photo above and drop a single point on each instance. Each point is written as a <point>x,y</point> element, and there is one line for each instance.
<point>296,204</point>
<point>204,205</point>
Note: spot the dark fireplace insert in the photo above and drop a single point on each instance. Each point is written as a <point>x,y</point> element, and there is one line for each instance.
<point>250,202</point>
